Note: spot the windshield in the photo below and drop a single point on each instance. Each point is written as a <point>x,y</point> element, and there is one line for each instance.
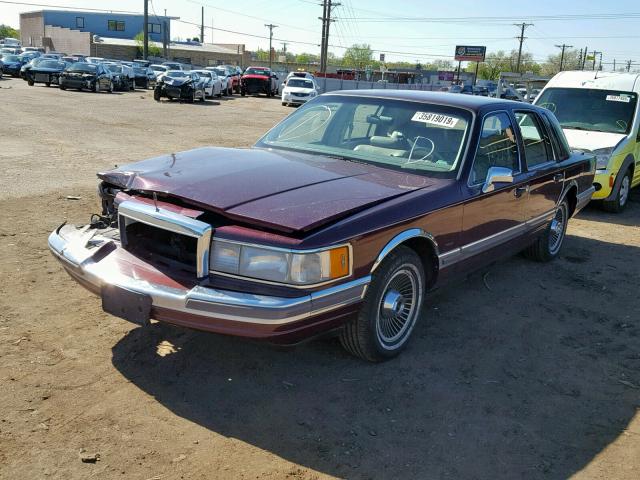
<point>140,70</point>
<point>256,71</point>
<point>591,109</point>
<point>409,136</point>
<point>82,67</point>
<point>203,73</point>
<point>299,82</point>
<point>115,68</point>
<point>10,58</point>
<point>50,64</point>
<point>176,74</point>
<point>158,68</point>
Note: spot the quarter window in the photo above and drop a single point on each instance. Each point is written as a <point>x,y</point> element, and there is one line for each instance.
<point>497,147</point>
<point>537,146</point>
<point>79,22</point>
<point>153,28</point>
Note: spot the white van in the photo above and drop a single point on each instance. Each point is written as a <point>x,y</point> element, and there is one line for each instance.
<point>599,113</point>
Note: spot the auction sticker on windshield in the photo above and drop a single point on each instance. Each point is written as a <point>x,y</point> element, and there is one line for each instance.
<point>435,119</point>
<point>619,98</point>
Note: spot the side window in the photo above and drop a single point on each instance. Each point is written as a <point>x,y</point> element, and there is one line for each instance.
<point>537,145</point>
<point>496,148</point>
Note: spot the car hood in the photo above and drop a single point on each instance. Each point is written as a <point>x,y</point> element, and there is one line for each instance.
<point>585,140</point>
<point>253,75</point>
<point>281,190</point>
<point>174,82</point>
<point>298,90</point>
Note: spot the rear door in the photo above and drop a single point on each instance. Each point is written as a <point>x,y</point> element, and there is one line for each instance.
<point>545,176</point>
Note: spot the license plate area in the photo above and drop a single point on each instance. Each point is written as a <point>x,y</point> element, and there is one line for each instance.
<point>132,306</point>
<point>40,77</point>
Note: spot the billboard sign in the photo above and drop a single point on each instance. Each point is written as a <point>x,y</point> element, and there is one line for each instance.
<point>445,76</point>
<point>466,53</point>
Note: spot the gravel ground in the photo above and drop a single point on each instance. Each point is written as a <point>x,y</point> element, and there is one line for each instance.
<point>523,370</point>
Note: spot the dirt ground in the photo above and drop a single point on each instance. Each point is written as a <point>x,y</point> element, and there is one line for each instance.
<point>523,370</point>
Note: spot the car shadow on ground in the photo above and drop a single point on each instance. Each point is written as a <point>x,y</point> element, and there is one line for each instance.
<point>515,372</point>
<point>594,212</point>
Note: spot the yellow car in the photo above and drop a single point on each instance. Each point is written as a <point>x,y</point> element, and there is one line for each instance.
<point>599,113</point>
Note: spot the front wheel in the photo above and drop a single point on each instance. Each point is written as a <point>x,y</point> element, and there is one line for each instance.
<point>390,310</point>
<point>62,87</point>
<point>621,199</point>
<point>31,83</point>
<point>548,245</point>
<point>156,94</point>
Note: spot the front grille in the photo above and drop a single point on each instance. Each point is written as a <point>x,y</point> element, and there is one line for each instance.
<point>42,77</point>
<point>300,94</point>
<point>162,247</point>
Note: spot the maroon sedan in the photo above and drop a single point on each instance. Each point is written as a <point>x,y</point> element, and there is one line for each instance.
<point>341,218</point>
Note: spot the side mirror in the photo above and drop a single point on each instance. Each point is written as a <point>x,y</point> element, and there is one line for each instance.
<point>497,175</point>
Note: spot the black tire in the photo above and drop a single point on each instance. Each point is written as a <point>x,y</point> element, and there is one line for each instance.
<point>62,87</point>
<point>242,93</point>
<point>31,83</point>
<point>284,104</point>
<point>384,308</point>
<point>156,95</point>
<point>619,203</point>
<point>548,245</point>
<point>48,84</point>
<point>229,91</point>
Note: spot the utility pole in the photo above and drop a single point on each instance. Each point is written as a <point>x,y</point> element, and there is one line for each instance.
<point>595,53</point>
<point>523,26</point>
<point>563,47</point>
<point>629,62</point>
<point>270,26</point>
<point>584,57</point>
<point>286,62</point>
<point>580,59</point>
<point>327,6</point>
<point>145,40</point>
<point>202,27</point>
<point>614,64</point>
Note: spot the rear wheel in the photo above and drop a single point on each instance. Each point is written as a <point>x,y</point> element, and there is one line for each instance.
<point>390,310</point>
<point>548,245</point>
<point>621,199</point>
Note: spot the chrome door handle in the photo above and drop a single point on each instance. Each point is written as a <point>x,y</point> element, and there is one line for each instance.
<point>558,177</point>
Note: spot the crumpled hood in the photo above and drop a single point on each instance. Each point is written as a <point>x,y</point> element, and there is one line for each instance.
<point>590,141</point>
<point>282,190</point>
<point>173,81</point>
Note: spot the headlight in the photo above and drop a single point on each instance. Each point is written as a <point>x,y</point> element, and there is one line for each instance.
<point>280,265</point>
<point>603,155</point>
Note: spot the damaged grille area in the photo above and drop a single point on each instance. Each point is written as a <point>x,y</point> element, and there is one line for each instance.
<point>162,247</point>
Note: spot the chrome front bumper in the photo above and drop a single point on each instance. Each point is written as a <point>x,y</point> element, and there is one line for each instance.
<point>95,261</point>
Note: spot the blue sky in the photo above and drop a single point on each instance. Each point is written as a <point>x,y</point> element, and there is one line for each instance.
<point>377,22</point>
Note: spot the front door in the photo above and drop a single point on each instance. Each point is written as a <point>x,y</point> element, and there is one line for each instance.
<point>545,176</point>
<point>494,218</point>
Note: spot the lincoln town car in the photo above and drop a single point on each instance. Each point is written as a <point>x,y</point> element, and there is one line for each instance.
<point>340,220</point>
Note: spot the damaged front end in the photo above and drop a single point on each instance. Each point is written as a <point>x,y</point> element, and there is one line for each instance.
<point>149,258</point>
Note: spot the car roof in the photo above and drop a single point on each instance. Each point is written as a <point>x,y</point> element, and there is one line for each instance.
<point>622,81</point>
<point>469,102</point>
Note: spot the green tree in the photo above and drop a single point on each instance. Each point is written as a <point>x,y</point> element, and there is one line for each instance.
<point>358,56</point>
<point>8,32</point>
<point>154,50</point>
<point>552,65</point>
<point>500,61</point>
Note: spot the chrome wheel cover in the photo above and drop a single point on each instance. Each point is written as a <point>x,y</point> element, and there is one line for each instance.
<point>557,229</point>
<point>398,307</point>
<point>624,190</point>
